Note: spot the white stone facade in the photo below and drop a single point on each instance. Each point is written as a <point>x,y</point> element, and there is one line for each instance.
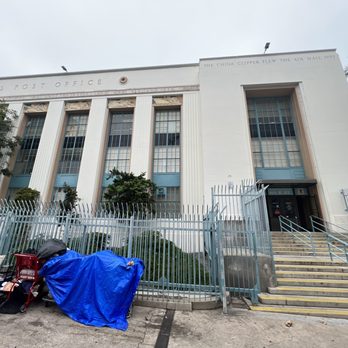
<point>215,137</point>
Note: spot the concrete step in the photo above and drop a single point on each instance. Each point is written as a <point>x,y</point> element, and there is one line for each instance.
<point>311,275</point>
<point>312,311</point>
<point>298,244</point>
<point>309,291</point>
<point>298,237</point>
<point>285,233</point>
<point>305,301</point>
<point>311,268</point>
<point>304,253</point>
<point>329,283</point>
<point>298,240</point>
<point>299,249</point>
<point>313,260</point>
<point>294,236</point>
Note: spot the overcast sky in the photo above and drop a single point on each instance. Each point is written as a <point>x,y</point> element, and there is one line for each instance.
<point>38,36</point>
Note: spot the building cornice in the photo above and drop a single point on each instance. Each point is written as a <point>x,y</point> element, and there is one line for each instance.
<point>103,93</point>
<point>270,54</point>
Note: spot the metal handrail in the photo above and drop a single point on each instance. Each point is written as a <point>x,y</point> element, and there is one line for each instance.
<point>321,225</point>
<point>302,234</point>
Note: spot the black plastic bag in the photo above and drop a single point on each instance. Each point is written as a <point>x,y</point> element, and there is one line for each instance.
<point>50,248</point>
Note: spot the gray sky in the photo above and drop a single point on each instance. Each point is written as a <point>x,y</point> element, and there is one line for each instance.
<point>38,36</point>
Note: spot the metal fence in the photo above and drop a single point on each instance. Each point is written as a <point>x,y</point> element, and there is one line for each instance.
<point>197,255</point>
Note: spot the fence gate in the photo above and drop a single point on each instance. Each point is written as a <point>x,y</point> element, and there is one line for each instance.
<point>242,230</point>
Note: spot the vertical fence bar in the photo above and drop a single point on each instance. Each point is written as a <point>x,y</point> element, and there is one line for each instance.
<point>130,237</point>
<point>221,264</point>
<point>66,229</point>
<point>257,270</point>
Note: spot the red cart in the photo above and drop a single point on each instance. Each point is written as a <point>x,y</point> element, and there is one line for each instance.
<point>27,269</point>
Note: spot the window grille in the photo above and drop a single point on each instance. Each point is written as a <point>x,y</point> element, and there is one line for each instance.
<point>166,160</point>
<point>29,145</point>
<point>74,140</point>
<point>273,133</point>
<point>118,152</point>
<point>166,157</point>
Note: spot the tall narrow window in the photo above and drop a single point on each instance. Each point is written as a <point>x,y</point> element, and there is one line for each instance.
<point>166,157</point>
<point>119,142</point>
<point>29,145</point>
<point>74,140</point>
<point>273,136</point>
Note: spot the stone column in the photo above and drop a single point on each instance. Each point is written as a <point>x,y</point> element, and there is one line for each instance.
<point>142,135</point>
<point>191,152</point>
<point>89,181</point>
<point>43,175</point>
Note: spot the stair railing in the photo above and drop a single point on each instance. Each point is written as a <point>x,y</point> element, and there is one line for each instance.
<point>336,237</point>
<point>297,232</point>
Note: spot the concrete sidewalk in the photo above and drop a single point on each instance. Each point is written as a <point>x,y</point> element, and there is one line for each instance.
<point>245,329</point>
<point>49,327</point>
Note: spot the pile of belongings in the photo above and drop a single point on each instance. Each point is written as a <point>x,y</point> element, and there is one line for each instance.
<point>20,288</point>
<point>95,289</point>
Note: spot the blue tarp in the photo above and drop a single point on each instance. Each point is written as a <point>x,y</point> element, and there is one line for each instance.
<point>97,289</point>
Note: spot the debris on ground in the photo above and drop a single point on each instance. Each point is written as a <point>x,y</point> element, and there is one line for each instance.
<point>289,323</point>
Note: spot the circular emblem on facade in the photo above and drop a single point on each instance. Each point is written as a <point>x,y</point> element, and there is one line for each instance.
<point>123,80</point>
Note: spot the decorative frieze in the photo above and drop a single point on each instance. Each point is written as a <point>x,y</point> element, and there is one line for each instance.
<point>77,105</point>
<point>167,101</point>
<point>104,93</point>
<point>121,103</point>
<point>35,108</point>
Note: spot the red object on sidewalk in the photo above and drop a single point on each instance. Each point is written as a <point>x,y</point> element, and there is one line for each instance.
<point>27,269</point>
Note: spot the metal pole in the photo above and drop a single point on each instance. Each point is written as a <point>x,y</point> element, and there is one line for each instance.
<point>257,270</point>
<point>66,229</point>
<point>130,237</point>
<point>221,265</point>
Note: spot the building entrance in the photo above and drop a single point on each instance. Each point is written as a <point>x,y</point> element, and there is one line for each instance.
<point>295,203</point>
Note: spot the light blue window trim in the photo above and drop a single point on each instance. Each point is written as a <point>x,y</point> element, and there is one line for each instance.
<point>19,181</point>
<point>167,180</point>
<point>68,179</point>
<point>280,173</point>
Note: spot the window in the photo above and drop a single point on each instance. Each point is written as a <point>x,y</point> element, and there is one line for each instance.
<point>74,140</point>
<point>166,160</point>
<point>166,157</point>
<point>118,152</point>
<point>273,136</point>
<point>167,200</point>
<point>29,145</point>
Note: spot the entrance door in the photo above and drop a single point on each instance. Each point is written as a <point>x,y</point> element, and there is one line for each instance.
<point>282,205</point>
